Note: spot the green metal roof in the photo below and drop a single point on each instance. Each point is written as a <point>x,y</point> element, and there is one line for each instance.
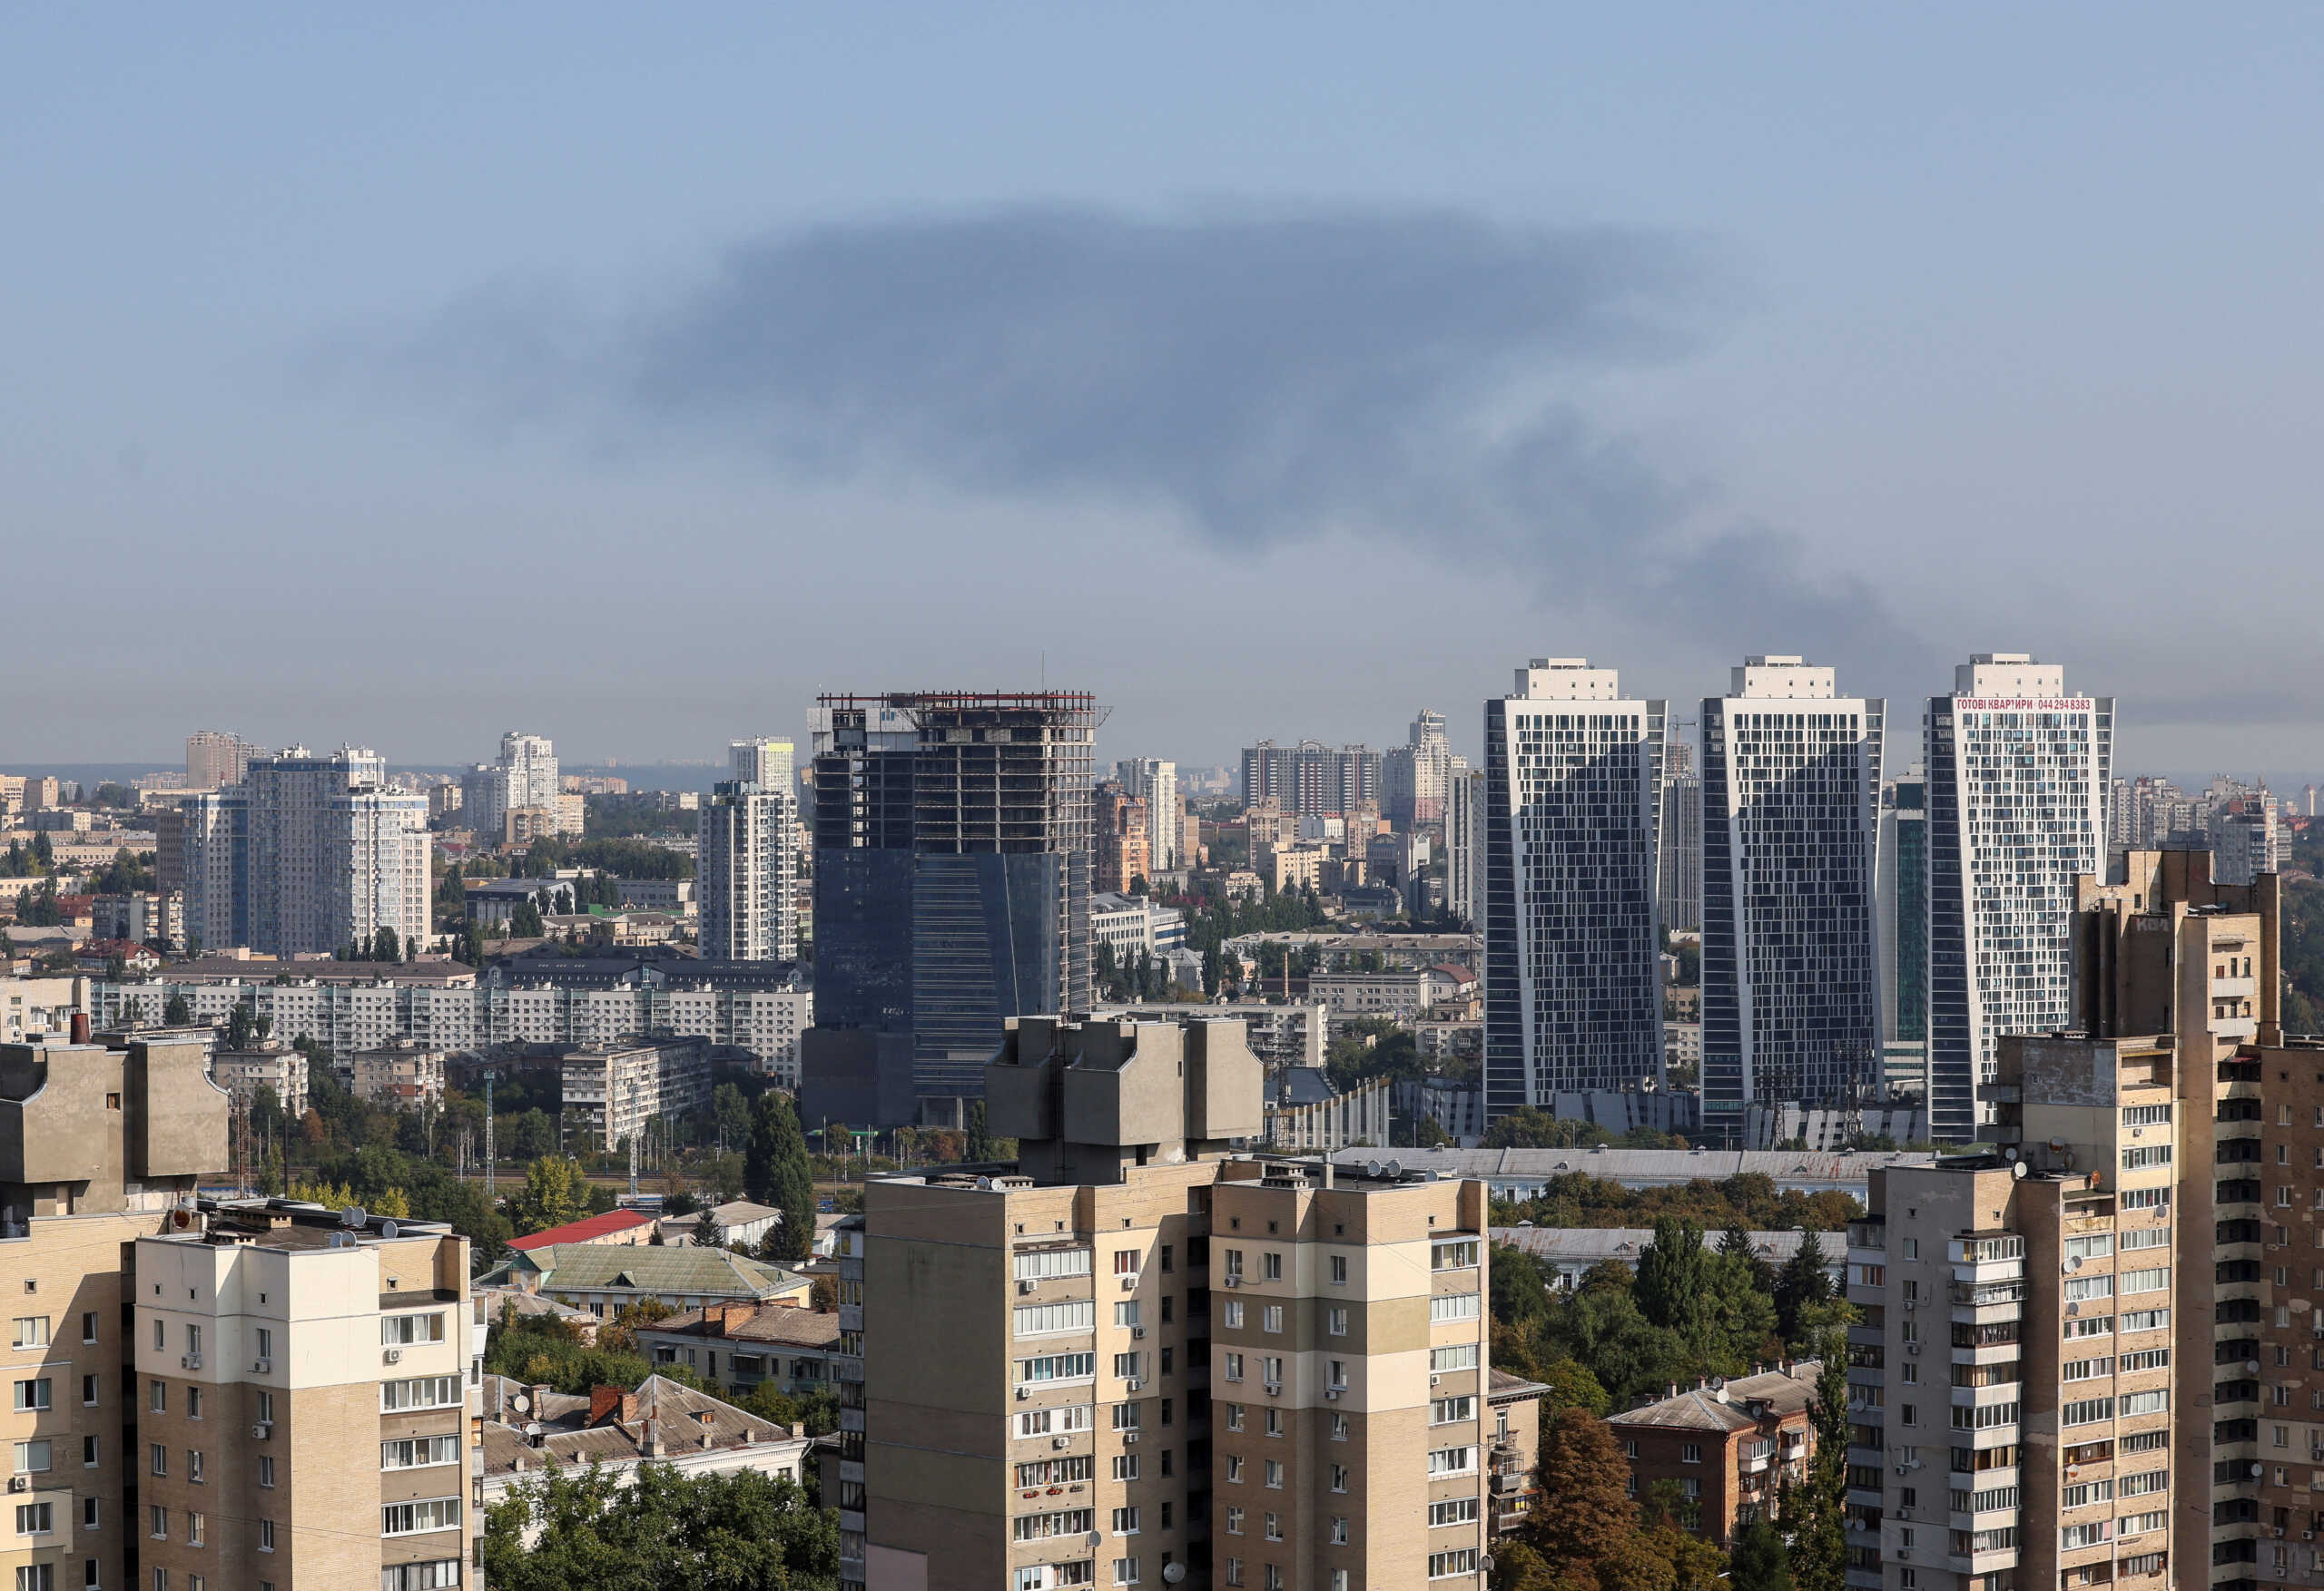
<point>671,1268</point>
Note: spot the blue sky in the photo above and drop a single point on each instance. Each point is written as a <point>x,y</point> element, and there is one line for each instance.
<point>406,377</point>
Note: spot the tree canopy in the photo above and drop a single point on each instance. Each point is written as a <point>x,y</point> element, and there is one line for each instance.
<point>739,1531</point>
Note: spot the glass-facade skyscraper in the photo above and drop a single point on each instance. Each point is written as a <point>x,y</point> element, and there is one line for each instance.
<point>1574,780</point>
<point>2017,783</point>
<point>1791,807</point>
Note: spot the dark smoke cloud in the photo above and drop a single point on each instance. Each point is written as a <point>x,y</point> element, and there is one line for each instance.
<point>1423,379</point>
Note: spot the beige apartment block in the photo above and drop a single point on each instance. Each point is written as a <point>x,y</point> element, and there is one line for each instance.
<point>305,1383</point>
<point>2058,1378</point>
<point>100,1147</point>
<point>1145,1357</point>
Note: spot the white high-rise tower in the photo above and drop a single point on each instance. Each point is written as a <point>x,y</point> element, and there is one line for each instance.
<point>746,857</point>
<point>2017,783</point>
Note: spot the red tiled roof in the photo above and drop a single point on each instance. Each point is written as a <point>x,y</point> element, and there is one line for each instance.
<point>586,1230</point>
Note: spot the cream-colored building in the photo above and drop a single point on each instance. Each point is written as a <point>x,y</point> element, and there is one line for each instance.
<point>100,1147</point>
<point>305,1383</point>
<point>1146,1359</point>
<point>404,1074</point>
<point>274,1065</point>
<point>32,1008</point>
<point>2057,1379</point>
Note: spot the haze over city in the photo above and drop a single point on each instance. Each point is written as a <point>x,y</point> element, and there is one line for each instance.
<point>1265,374</point>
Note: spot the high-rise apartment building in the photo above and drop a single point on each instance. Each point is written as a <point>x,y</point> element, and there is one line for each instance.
<point>303,1381</point>
<point>2018,774</point>
<point>954,846</point>
<point>213,758</point>
<point>1573,776</point>
<point>1790,972</point>
<point>1154,780</point>
<point>1416,777</point>
<point>1144,1361</point>
<point>310,852</point>
<point>1122,834</point>
<point>746,858</point>
<point>101,1145</point>
<point>1678,843</point>
<point>525,778</point>
<point>1312,778</point>
<point>1903,936</point>
<point>2103,1283</point>
<point>1464,848</point>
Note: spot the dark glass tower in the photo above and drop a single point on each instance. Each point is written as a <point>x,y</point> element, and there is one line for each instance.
<point>952,855</point>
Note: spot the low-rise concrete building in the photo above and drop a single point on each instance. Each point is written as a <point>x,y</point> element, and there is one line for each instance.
<point>1728,1446</point>
<point>242,1073</point>
<point>603,1280</point>
<point>612,1091</point>
<point>530,1432</point>
<point>402,1074</point>
<point>742,1345</point>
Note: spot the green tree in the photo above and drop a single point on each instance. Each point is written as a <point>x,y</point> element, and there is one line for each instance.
<point>1802,1283</point>
<point>776,1171</point>
<point>742,1531</point>
<point>176,1012</point>
<point>240,1022</point>
<point>980,1148</point>
<point>707,1233</point>
<point>1816,1516</point>
<point>1673,1275</point>
<point>1760,1561</point>
<point>552,1195</point>
<point>385,945</point>
<point>525,922</point>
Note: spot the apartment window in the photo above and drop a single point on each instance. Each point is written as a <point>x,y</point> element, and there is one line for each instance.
<point>2149,1281</point>
<point>1231,1314</point>
<point>157,1397</point>
<point>1271,1369</point>
<point>266,1469</point>
<point>1461,1356</point>
<point>157,1459</point>
<point>32,1331</point>
<point>1335,1322</point>
<point>1235,1467</point>
<point>161,1336</point>
<point>266,1535</point>
<point>1460,1255</point>
<point>157,1522</point>
<point>1125,1468</point>
<point>88,1452</point>
<point>266,1407</point>
<point>401,1331</point>
<point>419,1518</point>
<point>1271,1318</point>
<point>1453,1306</point>
<point>1274,1474</point>
<point>1044,1264</point>
<point>1125,1521</point>
<point>33,1396</point>
<point>195,1528</point>
<point>444,1392</point>
<point>1234,1263</point>
<point>1339,1428</point>
<point>89,1392</point>
<point>1126,1365</point>
<point>1271,1266</point>
<point>1275,1422</point>
<point>1339,1270</point>
<point>1455,1511</point>
<point>1126,1261</point>
<point>193,1464</point>
<point>43,1577</point>
<point>1451,1462</point>
<point>1274,1526</point>
<point>1234,1416</point>
<point>1127,1416</point>
<point>35,1518</point>
<point>265,1337</point>
<point>89,1511</point>
<point>1125,1571</point>
<point>193,1338</point>
<point>1459,1561</point>
<point>194,1403</point>
<point>1124,1315</point>
<point>1231,1365</point>
<point>1339,1478</point>
<point>1692,1453</point>
<point>421,1452</point>
<point>1234,1571</point>
<point>2153,1402</point>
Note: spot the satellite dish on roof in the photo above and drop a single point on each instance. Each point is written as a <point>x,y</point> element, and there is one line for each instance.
<point>519,1401</point>
<point>386,1229</point>
<point>1370,1168</point>
<point>352,1216</point>
<point>2017,1170</point>
<point>1395,1168</point>
<point>2009,1153</point>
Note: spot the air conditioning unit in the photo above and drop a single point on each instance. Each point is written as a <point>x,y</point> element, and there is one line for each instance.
<point>1023,1393</point>
<point>1137,1332</point>
<point>20,1483</point>
<point>1233,1281</point>
<point>1130,1281</point>
<point>2308,1535</point>
<point>1023,1288</point>
<point>1060,1443</point>
<point>1128,1437</point>
<point>1274,1388</point>
<point>1912,1348</point>
<point>191,1361</point>
<point>1135,1385</point>
<point>261,1431</point>
<point>1332,1393</point>
<point>1911,1303</point>
<point>1433,1380</point>
<point>262,1367</point>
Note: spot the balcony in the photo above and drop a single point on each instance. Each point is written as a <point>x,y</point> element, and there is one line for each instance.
<point>1756,1458</point>
<point>1999,1393</point>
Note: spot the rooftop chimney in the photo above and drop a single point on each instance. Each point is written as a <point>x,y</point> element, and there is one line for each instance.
<point>80,1027</point>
